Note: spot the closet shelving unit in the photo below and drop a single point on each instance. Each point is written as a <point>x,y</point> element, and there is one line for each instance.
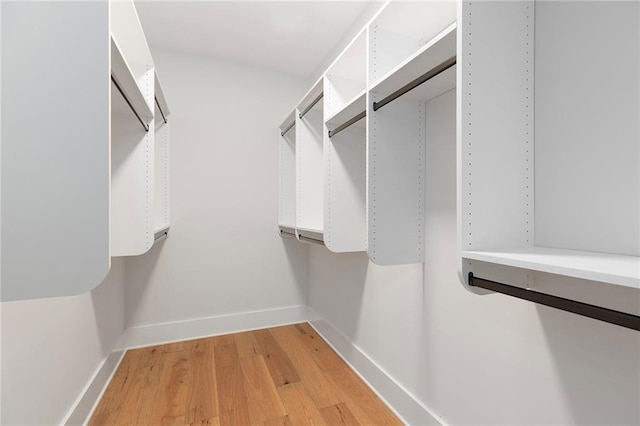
<point>79,187</point>
<point>162,212</point>
<point>287,176</point>
<point>559,194</point>
<point>374,158</point>
<point>412,54</point>
<point>132,135</point>
<point>310,166</point>
<point>345,149</point>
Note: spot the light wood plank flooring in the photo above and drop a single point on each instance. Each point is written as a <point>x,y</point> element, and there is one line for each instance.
<point>278,376</point>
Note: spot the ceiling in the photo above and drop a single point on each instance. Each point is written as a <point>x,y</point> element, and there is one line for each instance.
<point>289,36</point>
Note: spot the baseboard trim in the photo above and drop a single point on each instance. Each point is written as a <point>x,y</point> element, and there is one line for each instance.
<point>88,400</point>
<point>156,334</point>
<point>397,398</point>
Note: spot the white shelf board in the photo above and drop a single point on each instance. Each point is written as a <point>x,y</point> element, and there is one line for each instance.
<point>603,267</point>
<point>436,51</point>
<point>291,119</point>
<point>161,100</point>
<point>354,107</point>
<point>122,74</point>
<point>351,64</point>
<point>311,95</point>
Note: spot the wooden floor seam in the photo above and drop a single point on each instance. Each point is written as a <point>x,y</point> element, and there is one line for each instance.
<point>277,376</point>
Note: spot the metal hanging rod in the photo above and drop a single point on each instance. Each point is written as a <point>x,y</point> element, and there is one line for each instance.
<point>347,123</point>
<point>622,319</point>
<point>311,105</point>
<point>144,125</point>
<point>284,233</point>
<point>310,240</point>
<point>289,127</point>
<point>417,82</point>
<point>161,112</point>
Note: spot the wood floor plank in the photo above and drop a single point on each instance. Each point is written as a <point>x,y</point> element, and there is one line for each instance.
<point>339,415</point>
<point>232,399</point>
<point>322,390</point>
<point>215,421</point>
<point>322,353</point>
<point>281,376</point>
<point>280,421</point>
<point>364,404</point>
<point>282,370</point>
<point>141,388</point>
<point>170,403</point>
<point>261,391</point>
<point>247,344</point>
<point>202,398</point>
<point>114,396</point>
<point>300,407</point>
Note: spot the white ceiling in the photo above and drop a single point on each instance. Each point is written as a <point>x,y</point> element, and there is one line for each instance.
<point>289,36</point>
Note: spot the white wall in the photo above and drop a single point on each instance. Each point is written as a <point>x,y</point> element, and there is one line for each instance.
<point>223,255</point>
<point>52,347</point>
<point>474,359</point>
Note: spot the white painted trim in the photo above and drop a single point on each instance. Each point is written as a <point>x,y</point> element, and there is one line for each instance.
<point>393,394</point>
<point>138,337</point>
<point>86,403</point>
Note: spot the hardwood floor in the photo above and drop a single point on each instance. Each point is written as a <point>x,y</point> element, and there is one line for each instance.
<point>280,376</point>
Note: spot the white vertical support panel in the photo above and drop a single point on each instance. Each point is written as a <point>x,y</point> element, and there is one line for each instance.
<point>496,134</point>
<point>395,181</point>
<point>55,148</point>
<point>287,174</point>
<point>345,152</point>
<point>310,168</point>
<point>345,207</point>
<point>132,148</point>
<point>161,200</point>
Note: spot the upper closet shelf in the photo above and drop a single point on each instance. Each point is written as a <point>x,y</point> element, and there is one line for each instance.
<point>288,123</point>
<point>433,65</point>
<point>125,82</point>
<point>160,100</point>
<point>311,98</point>
<point>353,111</point>
<point>603,267</point>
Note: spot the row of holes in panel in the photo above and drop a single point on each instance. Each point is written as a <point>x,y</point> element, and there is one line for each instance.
<point>351,175</point>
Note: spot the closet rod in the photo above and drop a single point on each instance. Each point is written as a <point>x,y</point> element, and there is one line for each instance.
<point>282,133</point>
<point>146,127</point>
<point>284,233</point>
<point>347,123</point>
<point>622,319</point>
<point>417,82</point>
<point>161,112</point>
<point>310,240</point>
<point>311,105</point>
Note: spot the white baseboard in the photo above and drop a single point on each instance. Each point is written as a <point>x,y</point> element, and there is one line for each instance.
<point>86,403</point>
<point>138,337</point>
<point>395,396</point>
<point>399,400</point>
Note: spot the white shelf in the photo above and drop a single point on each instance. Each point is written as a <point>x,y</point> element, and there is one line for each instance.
<point>310,96</point>
<point>568,179</point>
<point>439,49</point>
<point>354,107</point>
<point>126,81</point>
<point>602,267</point>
